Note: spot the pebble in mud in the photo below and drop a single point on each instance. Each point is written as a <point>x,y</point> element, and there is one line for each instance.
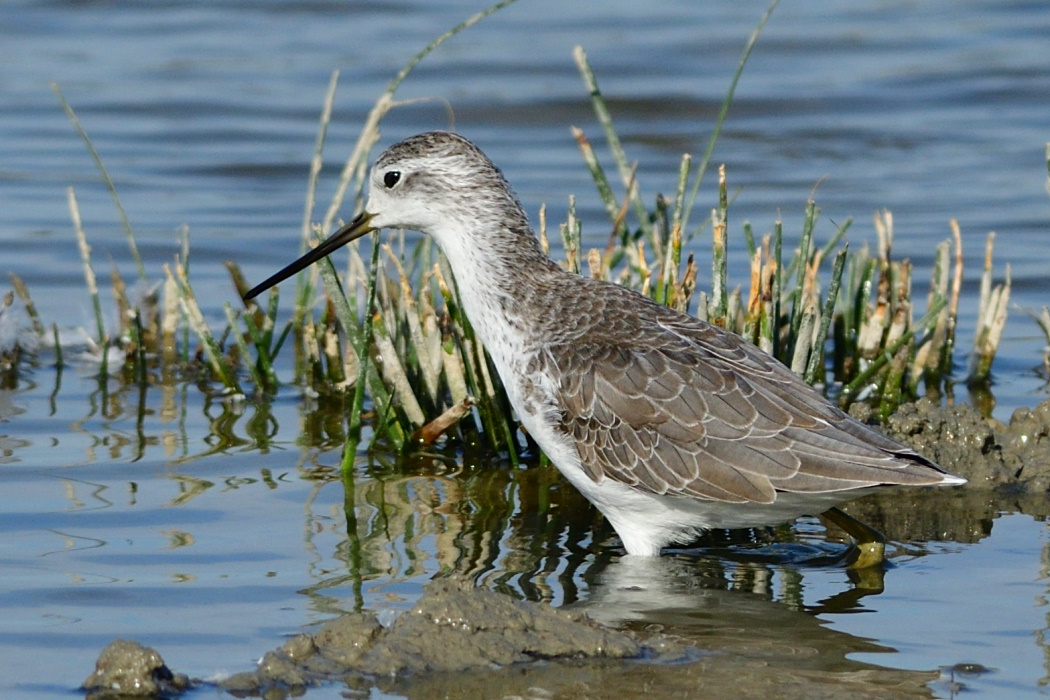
<point>128,669</point>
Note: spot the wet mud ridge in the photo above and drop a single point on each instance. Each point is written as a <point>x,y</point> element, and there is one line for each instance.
<point>453,627</point>
<point>1013,456</point>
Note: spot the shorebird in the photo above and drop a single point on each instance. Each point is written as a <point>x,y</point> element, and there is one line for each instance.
<point>669,425</point>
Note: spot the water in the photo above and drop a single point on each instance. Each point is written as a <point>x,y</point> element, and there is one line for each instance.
<point>161,517</point>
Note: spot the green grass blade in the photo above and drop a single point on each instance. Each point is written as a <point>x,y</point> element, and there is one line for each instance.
<point>601,110</point>
<point>802,260</point>
<point>192,313</point>
<point>242,347</point>
<point>833,242</point>
<point>679,195</point>
<point>59,362</point>
<point>716,132</point>
<point>601,183</point>
<point>778,282</point>
<point>303,287</point>
<point>749,239</point>
<point>363,343</point>
<point>816,357</point>
<point>105,178</point>
<point>23,293</point>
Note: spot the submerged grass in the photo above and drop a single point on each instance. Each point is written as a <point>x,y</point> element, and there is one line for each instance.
<point>388,344</point>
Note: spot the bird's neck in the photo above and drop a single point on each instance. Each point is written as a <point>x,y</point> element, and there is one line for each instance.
<point>500,268</point>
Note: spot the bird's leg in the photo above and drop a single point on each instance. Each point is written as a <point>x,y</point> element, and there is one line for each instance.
<point>869,543</point>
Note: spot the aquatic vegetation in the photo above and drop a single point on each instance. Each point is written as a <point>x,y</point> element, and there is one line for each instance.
<point>17,337</point>
<point>385,343</point>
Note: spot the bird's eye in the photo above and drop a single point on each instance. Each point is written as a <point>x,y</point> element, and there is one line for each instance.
<point>391,178</point>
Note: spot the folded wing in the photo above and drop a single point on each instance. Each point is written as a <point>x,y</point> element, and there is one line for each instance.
<point>702,413</point>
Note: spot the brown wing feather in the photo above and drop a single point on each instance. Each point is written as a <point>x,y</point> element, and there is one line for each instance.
<point>692,410</point>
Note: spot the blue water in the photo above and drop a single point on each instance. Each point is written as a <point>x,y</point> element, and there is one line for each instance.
<point>205,114</point>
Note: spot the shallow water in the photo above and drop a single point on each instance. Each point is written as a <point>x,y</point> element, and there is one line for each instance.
<point>210,530</point>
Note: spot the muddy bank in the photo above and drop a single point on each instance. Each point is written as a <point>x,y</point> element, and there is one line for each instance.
<point>991,454</point>
<point>454,627</point>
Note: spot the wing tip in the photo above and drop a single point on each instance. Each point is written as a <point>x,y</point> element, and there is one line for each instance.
<point>948,479</point>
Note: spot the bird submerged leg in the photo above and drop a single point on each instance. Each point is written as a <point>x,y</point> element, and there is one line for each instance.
<point>869,544</point>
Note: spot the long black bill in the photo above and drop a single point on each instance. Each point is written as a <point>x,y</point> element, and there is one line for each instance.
<point>351,232</point>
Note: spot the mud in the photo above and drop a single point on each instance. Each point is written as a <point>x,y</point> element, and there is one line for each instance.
<point>128,669</point>
<point>463,642</point>
<point>453,627</point>
<point>1012,456</point>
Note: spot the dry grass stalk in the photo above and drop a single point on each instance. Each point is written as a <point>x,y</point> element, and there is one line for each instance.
<point>430,366</point>
<point>22,291</point>
<point>992,311</point>
<point>395,377</point>
<point>191,311</point>
<point>595,266</point>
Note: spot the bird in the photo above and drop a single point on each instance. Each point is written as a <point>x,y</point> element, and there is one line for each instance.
<point>668,425</point>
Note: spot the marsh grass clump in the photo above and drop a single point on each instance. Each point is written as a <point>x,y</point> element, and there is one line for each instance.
<point>856,334</point>
<point>384,340</point>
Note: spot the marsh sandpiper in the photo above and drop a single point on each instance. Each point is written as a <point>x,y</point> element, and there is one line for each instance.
<point>669,425</point>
